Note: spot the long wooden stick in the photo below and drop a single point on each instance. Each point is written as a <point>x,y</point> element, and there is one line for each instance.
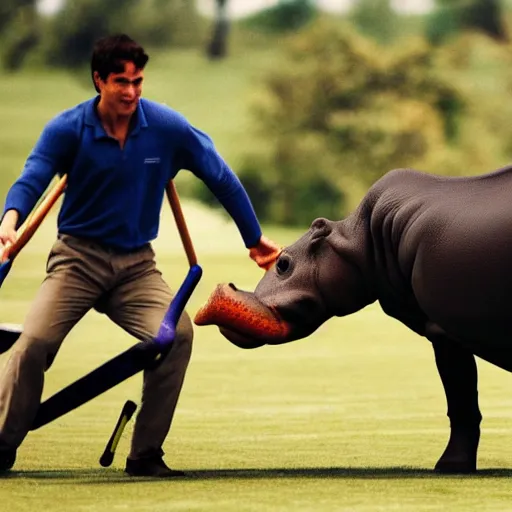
<point>29,227</point>
<point>174,201</point>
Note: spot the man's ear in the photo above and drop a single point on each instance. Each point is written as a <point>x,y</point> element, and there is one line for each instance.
<point>97,79</point>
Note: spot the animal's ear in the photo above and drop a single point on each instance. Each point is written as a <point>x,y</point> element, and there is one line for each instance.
<point>320,229</point>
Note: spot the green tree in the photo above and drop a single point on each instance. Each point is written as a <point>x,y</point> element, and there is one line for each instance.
<point>339,111</point>
<point>375,19</point>
<point>286,16</point>
<point>19,31</point>
<point>165,23</point>
<point>373,109</point>
<point>9,10</point>
<point>72,32</point>
<point>454,16</point>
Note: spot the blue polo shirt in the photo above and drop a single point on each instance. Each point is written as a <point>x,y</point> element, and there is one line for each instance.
<point>114,196</point>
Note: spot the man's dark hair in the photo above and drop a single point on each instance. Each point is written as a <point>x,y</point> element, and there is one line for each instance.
<point>109,53</point>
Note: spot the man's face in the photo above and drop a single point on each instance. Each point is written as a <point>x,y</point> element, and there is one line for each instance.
<point>120,92</point>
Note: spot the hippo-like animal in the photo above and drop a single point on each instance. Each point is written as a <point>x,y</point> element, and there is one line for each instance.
<point>434,251</point>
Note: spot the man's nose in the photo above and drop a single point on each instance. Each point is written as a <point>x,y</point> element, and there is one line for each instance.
<point>131,90</point>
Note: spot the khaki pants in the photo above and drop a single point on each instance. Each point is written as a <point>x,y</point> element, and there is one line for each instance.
<point>129,289</point>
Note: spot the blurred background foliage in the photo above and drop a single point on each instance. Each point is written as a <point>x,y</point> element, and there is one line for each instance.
<point>336,101</point>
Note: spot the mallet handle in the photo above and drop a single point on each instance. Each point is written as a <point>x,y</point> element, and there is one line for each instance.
<point>174,201</point>
<point>28,228</point>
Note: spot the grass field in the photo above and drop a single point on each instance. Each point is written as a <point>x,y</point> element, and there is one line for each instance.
<point>352,418</point>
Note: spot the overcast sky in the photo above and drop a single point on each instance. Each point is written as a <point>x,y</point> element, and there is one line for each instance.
<point>243,7</point>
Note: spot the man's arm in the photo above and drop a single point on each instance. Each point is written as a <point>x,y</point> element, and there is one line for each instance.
<point>201,157</point>
<point>50,154</point>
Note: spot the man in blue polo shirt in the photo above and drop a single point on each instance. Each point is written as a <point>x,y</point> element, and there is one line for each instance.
<point>119,152</point>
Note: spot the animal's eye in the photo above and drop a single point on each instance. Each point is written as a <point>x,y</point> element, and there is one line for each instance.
<point>283,265</point>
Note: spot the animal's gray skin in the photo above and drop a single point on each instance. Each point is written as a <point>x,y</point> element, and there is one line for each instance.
<point>436,253</point>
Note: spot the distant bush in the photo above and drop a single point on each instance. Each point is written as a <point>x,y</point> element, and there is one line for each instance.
<point>70,35</point>
<point>258,188</point>
<point>19,36</point>
<point>453,17</point>
<point>370,109</point>
<point>291,198</point>
<point>376,19</point>
<point>166,23</point>
<point>342,108</point>
<point>287,15</point>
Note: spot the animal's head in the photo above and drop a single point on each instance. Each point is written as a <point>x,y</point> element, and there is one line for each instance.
<point>314,279</point>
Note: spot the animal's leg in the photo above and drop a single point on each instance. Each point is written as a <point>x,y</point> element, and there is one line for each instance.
<point>458,372</point>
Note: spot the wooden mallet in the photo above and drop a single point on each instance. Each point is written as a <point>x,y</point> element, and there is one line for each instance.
<point>10,333</point>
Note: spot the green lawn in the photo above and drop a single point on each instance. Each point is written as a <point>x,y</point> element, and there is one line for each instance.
<point>352,418</point>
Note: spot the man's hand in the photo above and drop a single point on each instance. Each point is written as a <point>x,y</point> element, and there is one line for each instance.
<point>7,233</point>
<point>265,253</point>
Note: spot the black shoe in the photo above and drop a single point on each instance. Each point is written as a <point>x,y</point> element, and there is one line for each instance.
<point>151,465</point>
<point>7,460</point>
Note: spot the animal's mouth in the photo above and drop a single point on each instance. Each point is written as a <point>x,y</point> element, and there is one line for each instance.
<point>241,340</point>
<point>242,318</point>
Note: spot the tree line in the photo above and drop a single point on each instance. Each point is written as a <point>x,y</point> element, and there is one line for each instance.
<point>347,100</point>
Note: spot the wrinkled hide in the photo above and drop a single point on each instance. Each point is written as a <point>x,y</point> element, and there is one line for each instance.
<point>436,252</point>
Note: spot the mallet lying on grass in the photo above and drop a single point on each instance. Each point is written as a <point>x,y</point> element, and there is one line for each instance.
<point>126,413</point>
